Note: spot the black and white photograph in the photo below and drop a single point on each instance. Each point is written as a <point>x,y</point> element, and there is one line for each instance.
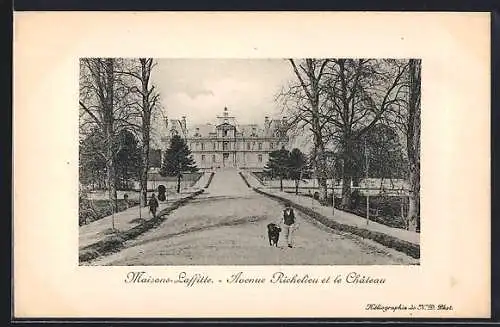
<point>266,161</point>
<point>283,161</point>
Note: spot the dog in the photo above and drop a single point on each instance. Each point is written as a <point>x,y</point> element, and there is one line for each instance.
<point>273,231</point>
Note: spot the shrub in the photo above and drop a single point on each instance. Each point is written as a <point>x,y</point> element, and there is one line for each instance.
<point>355,199</point>
<point>161,192</point>
<point>90,211</point>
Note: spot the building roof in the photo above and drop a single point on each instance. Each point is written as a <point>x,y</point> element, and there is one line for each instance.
<point>269,128</point>
<point>247,130</point>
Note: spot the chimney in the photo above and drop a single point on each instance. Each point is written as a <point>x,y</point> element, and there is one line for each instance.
<point>183,122</point>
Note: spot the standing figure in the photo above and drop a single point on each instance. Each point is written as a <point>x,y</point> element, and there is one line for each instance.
<point>125,198</point>
<point>288,224</point>
<point>153,205</point>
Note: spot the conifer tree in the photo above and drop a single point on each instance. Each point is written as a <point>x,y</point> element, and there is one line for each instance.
<point>178,159</point>
<point>278,165</point>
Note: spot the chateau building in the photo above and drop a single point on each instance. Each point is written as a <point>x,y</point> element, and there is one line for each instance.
<point>228,144</point>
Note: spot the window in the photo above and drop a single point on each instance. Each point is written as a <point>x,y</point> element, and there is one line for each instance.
<point>215,146</point>
<point>260,146</point>
<point>213,158</point>
<point>225,146</point>
<point>248,146</point>
<point>225,133</point>
<point>260,157</point>
<point>271,145</point>
<point>203,158</point>
<point>197,145</point>
<point>203,146</point>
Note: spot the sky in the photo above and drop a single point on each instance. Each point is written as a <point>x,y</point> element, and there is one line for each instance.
<point>200,88</point>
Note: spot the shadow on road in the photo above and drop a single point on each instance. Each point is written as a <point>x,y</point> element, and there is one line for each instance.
<point>228,223</point>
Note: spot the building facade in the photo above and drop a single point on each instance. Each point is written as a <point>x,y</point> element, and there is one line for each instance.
<point>227,144</point>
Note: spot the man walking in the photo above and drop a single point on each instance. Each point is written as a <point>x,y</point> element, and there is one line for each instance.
<point>288,224</point>
<point>153,205</point>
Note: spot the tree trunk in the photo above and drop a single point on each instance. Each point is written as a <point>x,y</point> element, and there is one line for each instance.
<point>297,187</point>
<point>281,183</point>
<point>413,145</point>
<point>313,95</point>
<point>346,191</point>
<point>143,194</point>
<point>110,172</point>
<point>179,183</point>
<point>346,175</point>
<point>146,124</point>
<point>414,201</point>
<point>321,169</point>
<point>109,134</point>
<point>144,168</point>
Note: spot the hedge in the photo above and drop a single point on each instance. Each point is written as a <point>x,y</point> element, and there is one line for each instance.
<point>244,179</point>
<point>210,179</point>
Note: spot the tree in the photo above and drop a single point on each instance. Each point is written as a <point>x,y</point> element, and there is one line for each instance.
<point>128,159</point>
<point>104,111</point>
<point>297,165</point>
<point>384,152</point>
<point>97,99</point>
<point>155,158</point>
<point>340,100</point>
<point>359,92</point>
<point>177,159</point>
<point>303,100</point>
<point>148,99</point>
<point>92,165</point>
<point>405,117</point>
<point>413,143</point>
<point>277,165</point>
